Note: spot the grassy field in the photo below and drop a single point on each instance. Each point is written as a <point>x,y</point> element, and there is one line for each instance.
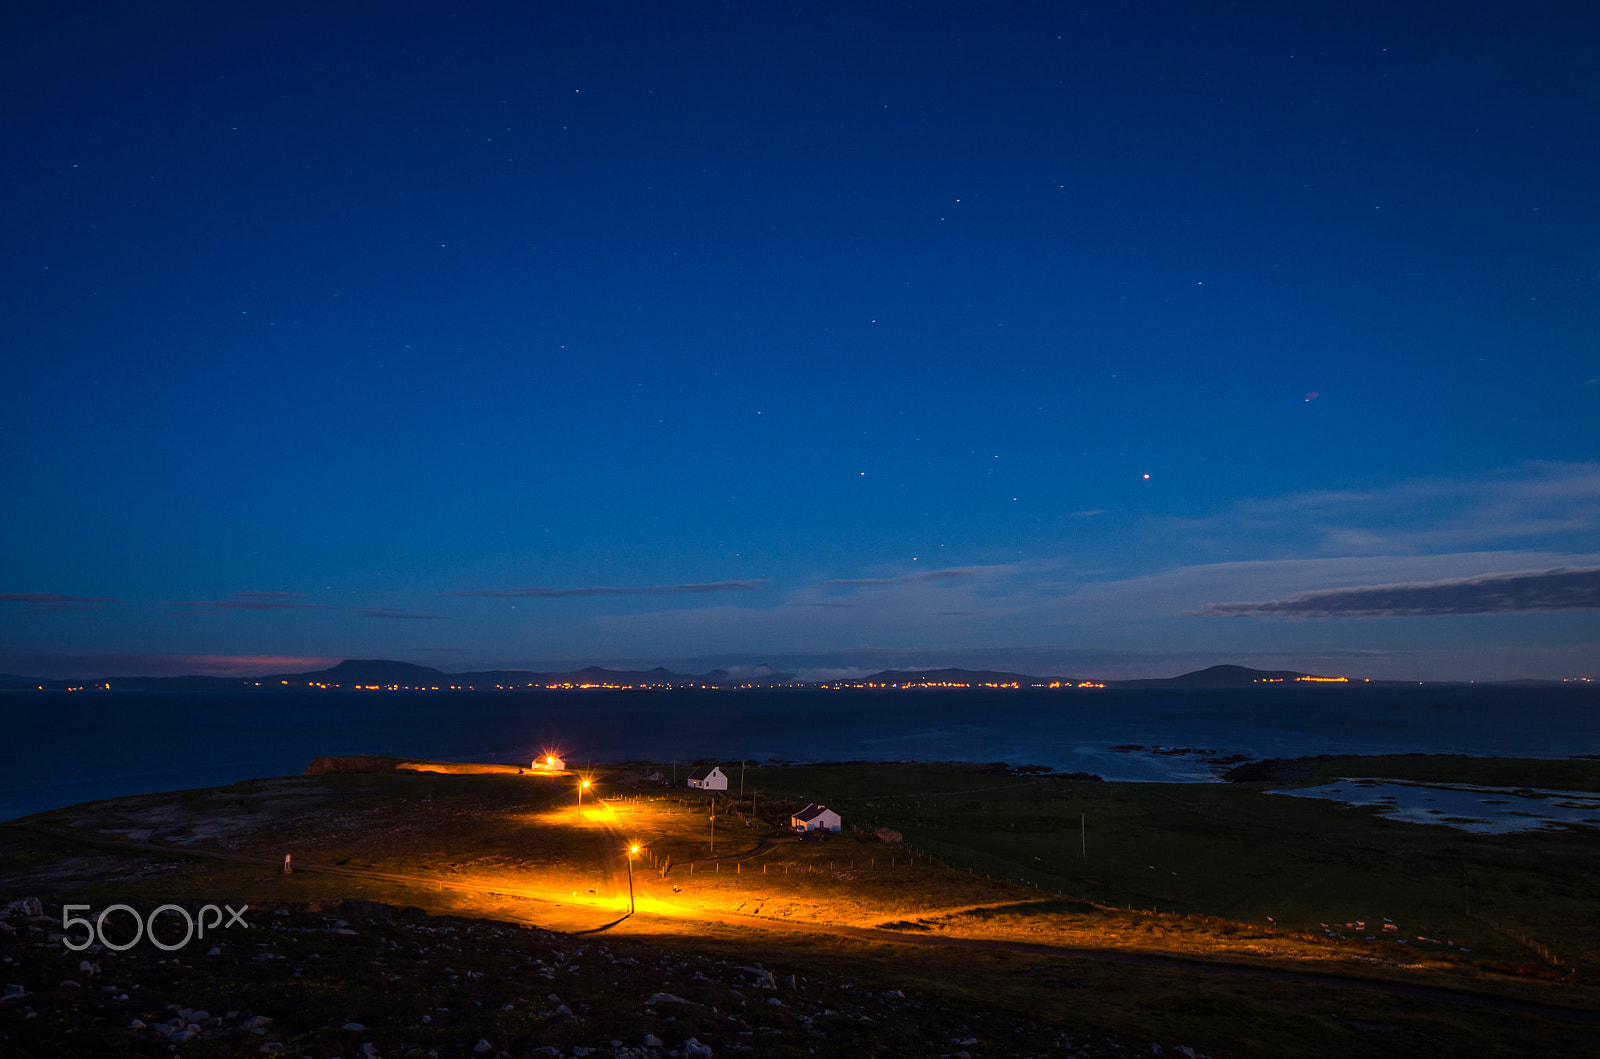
<point>1111,913</point>
<point>1233,852</point>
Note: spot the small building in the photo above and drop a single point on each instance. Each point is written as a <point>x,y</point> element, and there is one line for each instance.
<point>816,818</point>
<point>548,762</point>
<point>708,778</point>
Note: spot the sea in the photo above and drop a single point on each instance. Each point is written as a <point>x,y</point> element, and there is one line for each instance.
<point>60,748</point>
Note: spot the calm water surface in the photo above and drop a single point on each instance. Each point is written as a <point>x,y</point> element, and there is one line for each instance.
<point>59,748</point>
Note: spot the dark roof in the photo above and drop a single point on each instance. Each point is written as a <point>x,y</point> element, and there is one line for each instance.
<point>703,772</point>
<point>811,812</point>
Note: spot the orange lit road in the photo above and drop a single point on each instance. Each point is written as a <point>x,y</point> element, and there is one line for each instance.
<point>654,911</point>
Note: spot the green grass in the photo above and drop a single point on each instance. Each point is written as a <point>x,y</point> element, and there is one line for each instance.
<point>1233,851</point>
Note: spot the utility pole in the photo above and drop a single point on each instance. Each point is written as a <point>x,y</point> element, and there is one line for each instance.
<point>713,828</point>
<point>1083,833</point>
<point>741,781</point>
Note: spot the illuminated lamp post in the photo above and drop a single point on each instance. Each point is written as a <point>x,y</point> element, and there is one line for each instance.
<point>633,849</point>
<point>583,785</point>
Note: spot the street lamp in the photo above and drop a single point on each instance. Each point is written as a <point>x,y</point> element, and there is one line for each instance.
<point>583,785</point>
<point>633,849</point>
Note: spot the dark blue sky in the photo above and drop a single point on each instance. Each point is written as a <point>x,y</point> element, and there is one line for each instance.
<point>838,336</point>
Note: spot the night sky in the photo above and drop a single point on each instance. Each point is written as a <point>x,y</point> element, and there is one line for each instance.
<point>1080,339</point>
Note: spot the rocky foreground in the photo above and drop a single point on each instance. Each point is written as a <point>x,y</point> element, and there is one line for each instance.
<point>358,979</point>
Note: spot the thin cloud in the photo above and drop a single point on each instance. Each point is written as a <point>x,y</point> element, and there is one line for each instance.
<point>608,590</point>
<point>1535,504</point>
<point>1537,590</point>
<point>86,665</point>
<point>389,612</point>
<point>1091,513</point>
<point>906,579</point>
<point>36,602</point>
<point>251,601</point>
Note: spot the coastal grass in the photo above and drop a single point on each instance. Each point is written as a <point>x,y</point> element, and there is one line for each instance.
<point>1234,852</point>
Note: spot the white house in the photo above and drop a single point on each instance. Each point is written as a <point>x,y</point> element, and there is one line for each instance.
<point>708,778</point>
<point>548,763</point>
<point>816,818</point>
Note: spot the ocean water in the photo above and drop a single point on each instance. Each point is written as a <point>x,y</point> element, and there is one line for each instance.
<point>1484,810</point>
<point>60,748</point>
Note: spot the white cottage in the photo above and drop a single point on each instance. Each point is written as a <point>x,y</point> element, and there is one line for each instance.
<point>816,818</point>
<point>549,763</point>
<point>708,778</point>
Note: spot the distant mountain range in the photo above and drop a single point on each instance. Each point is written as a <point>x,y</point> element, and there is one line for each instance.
<point>1224,677</point>
<point>385,674</point>
<point>943,678</point>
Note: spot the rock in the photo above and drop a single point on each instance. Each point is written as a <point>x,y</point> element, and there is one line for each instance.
<point>562,1009</point>
<point>693,1049</point>
<point>369,1049</point>
<point>579,1051</point>
<point>553,999</point>
<point>774,1001</point>
<point>665,998</point>
<point>214,951</point>
<point>89,969</point>
<point>652,1041</point>
<point>23,906</point>
<point>260,1022</point>
<point>1184,1049</point>
<point>136,1024</point>
<point>15,990</point>
<point>68,981</point>
<point>353,1026</point>
<point>482,1046</point>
